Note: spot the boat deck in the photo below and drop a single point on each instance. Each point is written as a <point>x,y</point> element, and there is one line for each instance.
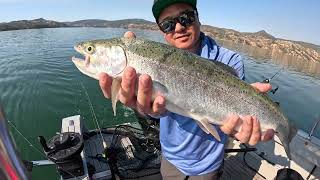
<point>96,164</point>
<point>235,168</point>
<point>98,168</point>
<point>267,164</point>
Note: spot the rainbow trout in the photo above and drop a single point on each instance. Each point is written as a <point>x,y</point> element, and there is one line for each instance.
<point>207,91</point>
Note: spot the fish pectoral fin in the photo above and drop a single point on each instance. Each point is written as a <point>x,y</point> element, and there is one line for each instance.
<point>115,88</point>
<point>210,128</point>
<point>202,127</point>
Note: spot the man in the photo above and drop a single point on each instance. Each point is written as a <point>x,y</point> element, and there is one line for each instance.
<point>187,153</point>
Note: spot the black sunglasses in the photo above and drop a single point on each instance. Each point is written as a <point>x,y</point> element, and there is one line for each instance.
<point>186,19</point>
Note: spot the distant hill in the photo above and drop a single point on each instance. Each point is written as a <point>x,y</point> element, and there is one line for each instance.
<point>31,24</point>
<point>264,34</point>
<point>105,23</point>
<point>260,39</point>
<point>43,23</point>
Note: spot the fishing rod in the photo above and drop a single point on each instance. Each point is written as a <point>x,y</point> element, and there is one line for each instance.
<point>268,80</point>
<point>10,164</point>
<point>313,128</point>
<point>10,156</point>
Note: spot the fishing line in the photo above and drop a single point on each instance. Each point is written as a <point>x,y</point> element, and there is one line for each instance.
<point>94,115</point>
<point>30,144</point>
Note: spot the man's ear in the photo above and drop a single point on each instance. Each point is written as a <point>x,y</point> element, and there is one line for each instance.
<point>198,19</point>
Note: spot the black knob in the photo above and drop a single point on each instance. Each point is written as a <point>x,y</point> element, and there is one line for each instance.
<point>43,143</point>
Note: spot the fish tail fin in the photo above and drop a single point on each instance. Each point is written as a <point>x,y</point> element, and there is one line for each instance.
<point>293,132</point>
<point>209,128</point>
<point>115,88</point>
<point>285,144</point>
<point>286,138</point>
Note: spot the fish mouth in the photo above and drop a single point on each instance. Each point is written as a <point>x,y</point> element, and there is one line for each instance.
<point>82,65</point>
<point>78,61</point>
<point>81,62</point>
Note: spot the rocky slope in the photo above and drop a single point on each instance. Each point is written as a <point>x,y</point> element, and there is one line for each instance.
<point>265,41</point>
<point>260,39</point>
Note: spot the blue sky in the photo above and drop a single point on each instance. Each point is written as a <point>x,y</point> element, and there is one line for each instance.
<point>289,19</point>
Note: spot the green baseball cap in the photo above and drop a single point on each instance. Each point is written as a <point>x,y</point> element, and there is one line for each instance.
<point>159,5</point>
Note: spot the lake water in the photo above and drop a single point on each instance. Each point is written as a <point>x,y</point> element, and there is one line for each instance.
<point>39,85</point>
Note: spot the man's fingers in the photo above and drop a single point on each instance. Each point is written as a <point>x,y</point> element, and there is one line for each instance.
<point>246,130</point>
<point>256,132</point>
<point>158,106</point>
<point>128,86</point>
<point>144,94</point>
<point>230,124</point>
<point>105,82</point>
<point>262,87</point>
<point>267,135</point>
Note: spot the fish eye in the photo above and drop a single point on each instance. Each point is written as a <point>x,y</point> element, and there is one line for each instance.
<point>90,49</point>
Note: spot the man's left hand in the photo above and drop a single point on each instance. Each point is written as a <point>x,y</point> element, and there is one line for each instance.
<point>250,131</point>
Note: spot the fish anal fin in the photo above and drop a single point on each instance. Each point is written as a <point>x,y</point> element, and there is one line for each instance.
<point>210,128</point>
<point>202,122</point>
<point>115,88</point>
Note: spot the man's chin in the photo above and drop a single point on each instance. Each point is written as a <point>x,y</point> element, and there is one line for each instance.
<point>184,45</point>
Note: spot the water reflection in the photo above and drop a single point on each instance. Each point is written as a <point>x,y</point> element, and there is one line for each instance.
<point>287,61</point>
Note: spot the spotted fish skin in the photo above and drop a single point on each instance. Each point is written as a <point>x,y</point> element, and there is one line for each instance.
<point>195,87</point>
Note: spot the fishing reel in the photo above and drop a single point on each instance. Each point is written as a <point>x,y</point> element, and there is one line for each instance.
<point>268,80</point>
<point>65,151</point>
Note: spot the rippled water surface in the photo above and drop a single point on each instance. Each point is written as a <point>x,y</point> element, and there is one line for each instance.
<point>39,85</point>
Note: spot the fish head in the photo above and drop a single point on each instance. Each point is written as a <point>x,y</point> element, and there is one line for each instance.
<point>107,56</point>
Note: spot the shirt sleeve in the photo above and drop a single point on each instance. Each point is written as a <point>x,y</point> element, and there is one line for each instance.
<point>231,59</point>
<point>237,64</point>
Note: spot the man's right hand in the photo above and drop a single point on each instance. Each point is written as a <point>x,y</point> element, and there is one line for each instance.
<point>142,101</point>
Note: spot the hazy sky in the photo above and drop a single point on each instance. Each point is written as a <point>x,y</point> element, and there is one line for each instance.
<point>289,19</point>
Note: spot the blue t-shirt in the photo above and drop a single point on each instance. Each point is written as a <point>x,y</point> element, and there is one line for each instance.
<point>183,142</point>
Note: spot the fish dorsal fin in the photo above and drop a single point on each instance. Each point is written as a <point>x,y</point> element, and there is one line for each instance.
<point>226,68</point>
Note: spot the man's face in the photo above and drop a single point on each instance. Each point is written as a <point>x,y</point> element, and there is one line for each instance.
<point>182,37</point>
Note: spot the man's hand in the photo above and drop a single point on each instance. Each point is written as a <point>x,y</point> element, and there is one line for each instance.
<point>142,102</point>
<point>250,131</point>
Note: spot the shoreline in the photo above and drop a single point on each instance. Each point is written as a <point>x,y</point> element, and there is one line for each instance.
<point>260,40</point>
